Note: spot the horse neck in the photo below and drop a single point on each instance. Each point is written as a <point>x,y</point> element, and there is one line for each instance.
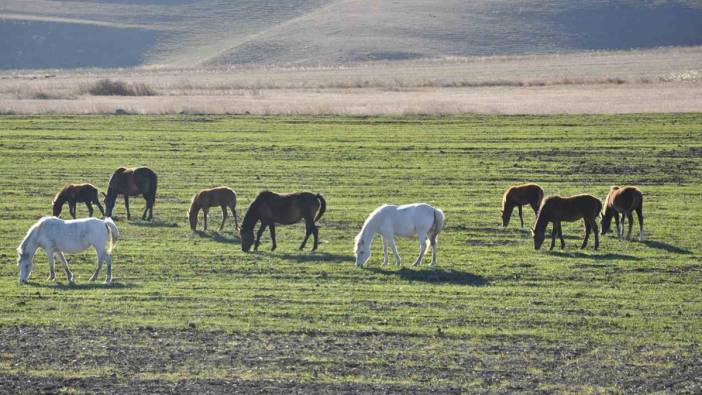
<point>251,217</point>
<point>542,219</point>
<point>194,209</point>
<point>369,228</point>
<point>30,244</point>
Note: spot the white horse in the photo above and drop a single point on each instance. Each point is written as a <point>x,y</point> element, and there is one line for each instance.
<point>408,220</point>
<point>57,236</point>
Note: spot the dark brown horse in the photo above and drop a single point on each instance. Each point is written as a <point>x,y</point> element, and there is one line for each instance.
<point>623,201</point>
<point>77,193</point>
<point>206,198</point>
<point>132,182</point>
<point>569,209</point>
<point>271,208</point>
<point>518,196</point>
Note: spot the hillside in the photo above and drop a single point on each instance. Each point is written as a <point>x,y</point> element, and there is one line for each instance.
<point>123,33</point>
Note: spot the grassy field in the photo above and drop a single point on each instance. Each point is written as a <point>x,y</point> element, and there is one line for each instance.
<point>191,312</point>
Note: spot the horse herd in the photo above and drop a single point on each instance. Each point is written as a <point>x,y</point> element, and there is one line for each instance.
<point>57,236</point>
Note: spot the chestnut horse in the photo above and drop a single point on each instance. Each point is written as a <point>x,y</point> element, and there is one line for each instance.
<point>519,195</point>
<point>623,201</point>
<point>569,209</point>
<point>272,208</point>
<point>206,198</point>
<point>76,193</point>
<point>132,182</point>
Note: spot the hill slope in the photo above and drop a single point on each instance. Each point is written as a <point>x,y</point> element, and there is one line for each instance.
<point>116,33</point>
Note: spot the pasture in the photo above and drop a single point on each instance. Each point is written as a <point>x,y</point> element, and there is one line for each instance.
<point>192,312</point>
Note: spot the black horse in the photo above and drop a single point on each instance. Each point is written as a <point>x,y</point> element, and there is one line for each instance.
<point>132,182</point>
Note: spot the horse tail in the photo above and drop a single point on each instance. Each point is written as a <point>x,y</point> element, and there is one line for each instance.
<point>112,234</point>
<point>322,207</point>
<point>439,222</point>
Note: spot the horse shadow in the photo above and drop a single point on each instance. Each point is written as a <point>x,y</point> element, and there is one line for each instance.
<point>317,257</point>
<point>218,237</point>
<point>435,276</point>
<point>82,286</point>
<point>154,224</point>
<point>666,247</point>
<point>596,257</point>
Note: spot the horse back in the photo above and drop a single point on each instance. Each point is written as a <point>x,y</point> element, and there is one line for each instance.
<point>626,199</point>
<point>288,208</point>
<point>524,194</point>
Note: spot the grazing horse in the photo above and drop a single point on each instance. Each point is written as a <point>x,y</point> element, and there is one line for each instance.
<point>569,209</point>
<point>57,236</point>
<point>132,182</point>
<point>206,198</point>
<point>272,208</point>
<point>409,220</point>
<point>519,195</point>
<point>623,201</point>
<point>76,193</point>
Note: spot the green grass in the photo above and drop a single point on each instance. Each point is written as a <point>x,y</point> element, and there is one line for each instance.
<point>193,312</point>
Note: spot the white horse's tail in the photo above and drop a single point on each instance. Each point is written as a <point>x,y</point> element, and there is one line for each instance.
<point>439,222</point>
<point>112,233</point>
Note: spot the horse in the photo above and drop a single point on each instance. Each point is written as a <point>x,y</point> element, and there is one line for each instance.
<point>623,201</point>
<point>76,193</point>
<point>57,236</point>
<point>285,209</point>
<point>569,209</point>
<point>519,195</point>
<point>206,198</point>
<point>408,220</point>
<point>132,182</point>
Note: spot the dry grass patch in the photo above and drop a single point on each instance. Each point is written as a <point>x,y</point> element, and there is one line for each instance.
<point>108,87</point>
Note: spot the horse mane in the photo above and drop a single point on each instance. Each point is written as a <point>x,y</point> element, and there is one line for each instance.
<point>246,223</point>
<point>360,234</point>
<point>32,234</point>
<point>59,194</point>
<point>504,196</point>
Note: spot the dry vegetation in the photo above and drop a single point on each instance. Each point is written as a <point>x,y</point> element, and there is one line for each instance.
<point>662,80</point>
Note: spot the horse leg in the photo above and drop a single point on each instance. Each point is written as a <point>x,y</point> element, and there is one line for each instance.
<point>315,234</point>
<point>271,228</point>
<point>146,209</point>
<point>52,273</point>
<point>521,218</point>
<point>205,211</point>
<point>72,209</point>
<point>69,275</point>
<point>102,211</point>
<point>385,251</point>
<point>391,240</point>
<point>432,242</point>
<point>308,232</point>
<point>258,235</point>
<point>422,248</point>
<point>150,202</point>
<point>90,209</point>
<point>236,221</point>
<point>100,258</point>
<point>224,217</point>
<point>554,233</point>
<point>588,229</point>
<point>126,206</point>
<point>560,235</point>
<point>639,214</point>
<point>108,261</point>
<point>597,234</point>
<point>616,221</point>
<point>630,217</point>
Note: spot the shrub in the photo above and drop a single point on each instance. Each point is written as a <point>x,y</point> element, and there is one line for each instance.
<point>107,87</point>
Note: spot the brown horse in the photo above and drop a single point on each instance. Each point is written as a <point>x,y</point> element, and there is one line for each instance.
<point>77,193</point>
<point>518,196</point>
<point>623,201</point>
<point>206,198</point>
<point>569,209</point>
<point>271,208</point>
<point>132,182</point>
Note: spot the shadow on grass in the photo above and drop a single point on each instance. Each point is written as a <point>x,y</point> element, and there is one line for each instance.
<point>595,256</point>
<point>303,257</point>
<point>219,237</point>
<point>82,286</point>
<point>665,246</point>
<point>435,276</point>
<point>154,224</point>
